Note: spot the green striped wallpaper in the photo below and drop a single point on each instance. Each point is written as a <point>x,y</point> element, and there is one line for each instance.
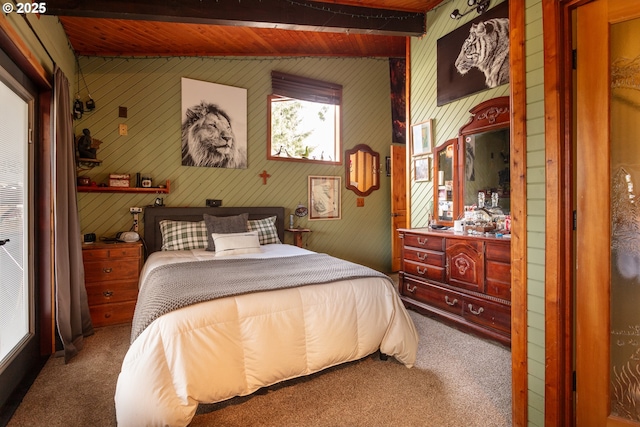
<point>150,89</point>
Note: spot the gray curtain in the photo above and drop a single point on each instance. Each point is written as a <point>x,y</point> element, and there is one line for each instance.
<point>72,308</point>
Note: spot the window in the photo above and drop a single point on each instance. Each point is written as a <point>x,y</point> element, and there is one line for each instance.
<point>304,120</point>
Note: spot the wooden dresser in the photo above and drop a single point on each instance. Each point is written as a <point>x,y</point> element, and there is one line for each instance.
<point>111,272</point>
<point>459,278</point>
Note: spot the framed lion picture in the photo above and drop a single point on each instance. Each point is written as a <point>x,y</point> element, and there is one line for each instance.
<point>474,57</point>
<point>214,125</point>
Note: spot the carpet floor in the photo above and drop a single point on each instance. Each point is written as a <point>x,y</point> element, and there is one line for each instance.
<point>458,381</point>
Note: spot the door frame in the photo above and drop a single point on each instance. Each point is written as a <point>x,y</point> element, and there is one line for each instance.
<point>559,187</point>
<point>18,52</point>
<point>398,165</point>
<point>518,179</point>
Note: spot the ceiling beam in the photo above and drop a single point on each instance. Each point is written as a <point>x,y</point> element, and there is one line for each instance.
<point>276,14</point>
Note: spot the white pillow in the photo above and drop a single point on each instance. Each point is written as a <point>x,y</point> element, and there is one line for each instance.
<point>236,243</point>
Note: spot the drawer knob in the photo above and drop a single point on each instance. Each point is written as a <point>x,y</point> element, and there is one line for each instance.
<point>107,315</point>
<point>410,289</point>
<point>108,294</point>
<point>422,242</point>
<point>422,256</point>
<point>478,312</point>
<point>421,272</point>
<point>449,302</point>
<point>107,270</point>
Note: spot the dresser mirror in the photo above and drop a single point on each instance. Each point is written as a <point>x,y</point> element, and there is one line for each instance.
<point>362,170</point>
<point>444,181</point>
<point>475,165</point>
<point>484,152</point>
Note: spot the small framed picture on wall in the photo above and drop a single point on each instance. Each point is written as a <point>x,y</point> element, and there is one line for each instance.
<point>324,197</point>
<point>422,138</point>
<point>422,167</point>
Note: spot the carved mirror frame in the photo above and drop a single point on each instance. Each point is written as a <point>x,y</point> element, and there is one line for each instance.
<point>489,115</point>
<point>362,165</point>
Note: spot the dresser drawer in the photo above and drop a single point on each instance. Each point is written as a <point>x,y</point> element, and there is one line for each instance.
<point>426,271</point>
<point>498,289</point>
<point>498,279</point>
<point>433,295</point>
<point>424,256</point>
<point>112,252</point>
<point>498,252</point>
<point>112,314</point>
<point>95,271</point>
<point>112,291</point>
<point>488,313</point>
<point>434,243</point>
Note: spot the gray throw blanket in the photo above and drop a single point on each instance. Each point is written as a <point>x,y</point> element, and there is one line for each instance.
<point>173,286</point>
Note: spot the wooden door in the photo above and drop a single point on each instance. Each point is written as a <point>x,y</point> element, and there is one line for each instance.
<point>608,227</point>
<point>398,201</point>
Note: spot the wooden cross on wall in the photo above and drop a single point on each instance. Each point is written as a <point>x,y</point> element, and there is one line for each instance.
<point>264,175</point>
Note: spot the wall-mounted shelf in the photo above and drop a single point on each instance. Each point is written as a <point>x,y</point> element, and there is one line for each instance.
<point>154,190</point>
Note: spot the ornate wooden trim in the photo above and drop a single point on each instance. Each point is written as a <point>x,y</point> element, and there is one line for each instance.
<point>488,114</point>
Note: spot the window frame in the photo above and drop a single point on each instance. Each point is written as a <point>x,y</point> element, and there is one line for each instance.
<point>285,86</point>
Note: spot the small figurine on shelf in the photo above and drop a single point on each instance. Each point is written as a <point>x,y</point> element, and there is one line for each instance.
<point>87,146</point>
<point>86,151</point>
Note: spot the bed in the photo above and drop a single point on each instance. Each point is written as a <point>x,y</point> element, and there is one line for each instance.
<point>278,312</point>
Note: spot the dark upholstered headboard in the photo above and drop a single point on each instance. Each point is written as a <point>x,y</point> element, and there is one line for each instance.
<point>153,216</point>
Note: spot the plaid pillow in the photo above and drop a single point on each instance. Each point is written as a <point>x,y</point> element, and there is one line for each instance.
<point>266,228</point>
<point>183,235</point>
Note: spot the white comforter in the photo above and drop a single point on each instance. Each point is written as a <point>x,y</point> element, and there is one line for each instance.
<point>232,346</point>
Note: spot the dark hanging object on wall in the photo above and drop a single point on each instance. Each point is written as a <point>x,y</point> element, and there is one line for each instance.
<point>78,109</point>
<point>90,105</point>
<point>479,6</point>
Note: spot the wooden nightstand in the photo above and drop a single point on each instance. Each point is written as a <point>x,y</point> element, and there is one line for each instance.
<point>297,235</point>
<point>111,272</point>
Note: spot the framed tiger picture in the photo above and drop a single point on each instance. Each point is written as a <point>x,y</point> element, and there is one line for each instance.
<point>475,56</point>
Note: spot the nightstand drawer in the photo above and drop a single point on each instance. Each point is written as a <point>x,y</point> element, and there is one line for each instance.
<point>112,291</point>
<point>111,270</point>
<point>111,314</point>
<point>433,243</point>
<point>112,252</point>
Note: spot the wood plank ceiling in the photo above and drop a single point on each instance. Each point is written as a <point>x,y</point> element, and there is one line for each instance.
<point>143,28</point>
